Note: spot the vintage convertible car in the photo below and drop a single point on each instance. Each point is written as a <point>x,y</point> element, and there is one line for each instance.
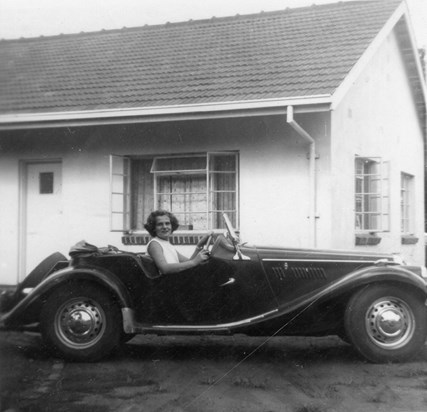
<point>86,306</point>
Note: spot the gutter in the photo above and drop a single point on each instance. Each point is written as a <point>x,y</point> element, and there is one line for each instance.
<point>312,172</point>
<point>128,115</point>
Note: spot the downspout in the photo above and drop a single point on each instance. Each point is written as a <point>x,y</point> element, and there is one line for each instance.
<point>312,171</point>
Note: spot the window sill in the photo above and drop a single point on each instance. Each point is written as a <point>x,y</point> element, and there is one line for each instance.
<point>409,240</point>
<point>367,239</point>
<point>176,239</point>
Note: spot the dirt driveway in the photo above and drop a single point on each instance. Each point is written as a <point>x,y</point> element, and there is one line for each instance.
<point>209,374</point>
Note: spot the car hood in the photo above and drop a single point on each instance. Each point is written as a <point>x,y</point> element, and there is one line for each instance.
<point>274,252</point>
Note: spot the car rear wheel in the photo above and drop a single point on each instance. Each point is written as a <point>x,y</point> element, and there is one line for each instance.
<point>386,323</point>
<point>81,322</point>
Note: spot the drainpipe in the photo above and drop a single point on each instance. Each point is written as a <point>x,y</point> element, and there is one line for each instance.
<point>312,171</point>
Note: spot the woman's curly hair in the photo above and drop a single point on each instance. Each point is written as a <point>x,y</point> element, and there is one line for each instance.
<point>150,226</point>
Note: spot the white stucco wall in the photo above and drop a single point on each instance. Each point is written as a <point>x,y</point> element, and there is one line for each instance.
<point>378,118</point>
<point>273,184</point>
<point>9,221</point>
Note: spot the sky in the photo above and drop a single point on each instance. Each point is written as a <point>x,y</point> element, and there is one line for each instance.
<point>32,18</point>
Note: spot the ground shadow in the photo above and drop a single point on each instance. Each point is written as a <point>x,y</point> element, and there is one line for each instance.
<point>234,349</point>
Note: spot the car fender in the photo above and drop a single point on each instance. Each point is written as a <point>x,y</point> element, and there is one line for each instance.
<point>355,280</point>
<point>71,274</point>
<point>383,273</point>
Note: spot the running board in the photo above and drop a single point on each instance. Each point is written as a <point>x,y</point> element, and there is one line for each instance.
<point>131,325</point>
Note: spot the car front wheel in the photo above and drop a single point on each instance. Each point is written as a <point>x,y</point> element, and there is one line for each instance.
<point>81,322</point>
<point>386,323</point>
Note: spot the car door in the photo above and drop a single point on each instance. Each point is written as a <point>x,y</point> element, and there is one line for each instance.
<point>221,291</point>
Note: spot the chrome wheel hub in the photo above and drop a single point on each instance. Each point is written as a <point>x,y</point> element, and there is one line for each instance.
<point>80,323</point>
<point>390,323</point>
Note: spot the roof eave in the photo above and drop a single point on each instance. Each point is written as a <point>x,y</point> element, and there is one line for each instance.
<point>165,113</point>
<point>348,82</point>
<point>417,60</point>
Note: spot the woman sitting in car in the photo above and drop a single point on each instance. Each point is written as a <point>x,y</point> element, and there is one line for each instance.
<point>160,225</point>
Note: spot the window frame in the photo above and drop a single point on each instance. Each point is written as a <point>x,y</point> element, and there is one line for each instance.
<point>381,194</point>
<point>208,172</point>
<point>406,203</point>
<point>127,194</point>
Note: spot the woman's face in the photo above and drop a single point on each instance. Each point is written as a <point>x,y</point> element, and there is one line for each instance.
<point>163,227</point>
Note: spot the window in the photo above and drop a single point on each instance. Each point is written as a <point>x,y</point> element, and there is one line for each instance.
<point>197,188</point>
<point>119,193</point>
<point>46,183</point>
<point>371,194</point>
<point>406,203</point>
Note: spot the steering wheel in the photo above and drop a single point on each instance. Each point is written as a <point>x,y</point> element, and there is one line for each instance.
<point>208,243</point>
<point>231,232</point>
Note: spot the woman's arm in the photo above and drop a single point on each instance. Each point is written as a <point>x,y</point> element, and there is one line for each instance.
<point>201,243</point>
<point>156,252</point>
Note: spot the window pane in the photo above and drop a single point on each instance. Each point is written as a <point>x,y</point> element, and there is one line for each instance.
<point>218,221</point>
<point>120,192</point>
<point>184,186</point>
<point>223,188</point>
<point>118,184</point>
<point>223,163</point>
<point>373,203</point>
<point>118,203</point>
<point>181,184</point>
<point>119,221</point>
<point>46,183</point>
<point>186,197</point>
<point>142,192</point>
<point>223,181</point>
<point>372,184</point>
<point>120,165</point>
<point>406,203</point>
<point>223,201</point>
<point>371,195</point>
<point>183,203</point>
<point>359,201</point>
<point>176,164</point>
<point>197,221</point>
<point>374,222</point>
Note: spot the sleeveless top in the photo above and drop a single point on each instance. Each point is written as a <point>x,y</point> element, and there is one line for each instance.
<point>169,252</point>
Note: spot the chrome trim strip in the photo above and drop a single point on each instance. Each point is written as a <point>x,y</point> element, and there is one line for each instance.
<point>321,260</point>
<point>214,327</point>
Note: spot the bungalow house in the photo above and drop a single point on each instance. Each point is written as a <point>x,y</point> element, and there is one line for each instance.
<point>306,126</point>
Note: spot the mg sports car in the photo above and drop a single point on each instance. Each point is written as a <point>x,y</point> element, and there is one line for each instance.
<point>88,305</point>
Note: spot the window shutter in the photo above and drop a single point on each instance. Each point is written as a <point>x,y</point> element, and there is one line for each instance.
<point>385,195</point>
<point>119,193</point>
<point>223,188</point>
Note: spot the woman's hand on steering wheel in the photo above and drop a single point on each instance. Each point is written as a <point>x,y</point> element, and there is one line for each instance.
<point>205,241</point>
<point>202,257</point>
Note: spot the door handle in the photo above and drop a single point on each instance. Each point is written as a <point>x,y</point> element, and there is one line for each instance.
<point>229,282</point>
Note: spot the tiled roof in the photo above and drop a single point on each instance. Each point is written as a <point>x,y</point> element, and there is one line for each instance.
<point>295,52</point>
